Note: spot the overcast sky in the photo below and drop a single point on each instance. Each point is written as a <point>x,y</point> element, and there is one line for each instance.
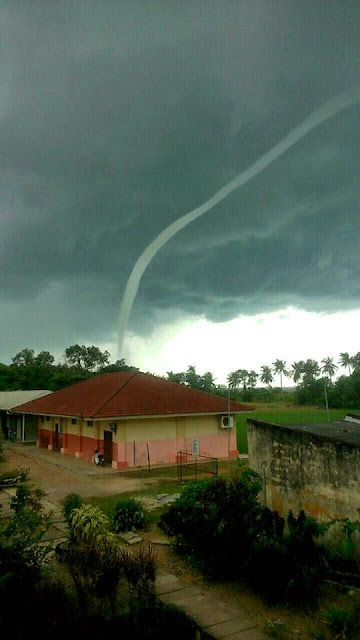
<point>118,117</point>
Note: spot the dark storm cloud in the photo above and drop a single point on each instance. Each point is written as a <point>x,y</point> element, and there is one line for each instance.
<point>117,118</point>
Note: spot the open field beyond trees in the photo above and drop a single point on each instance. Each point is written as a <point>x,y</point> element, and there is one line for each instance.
<point>285,414</point>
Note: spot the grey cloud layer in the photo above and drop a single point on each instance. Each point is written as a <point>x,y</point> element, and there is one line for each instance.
<point>115,119</point>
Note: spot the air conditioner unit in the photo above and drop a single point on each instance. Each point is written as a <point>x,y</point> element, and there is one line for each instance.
<point>224,422</point>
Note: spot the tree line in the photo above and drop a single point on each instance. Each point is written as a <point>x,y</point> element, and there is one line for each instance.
<point>299,371</point>
<point>29,370</point>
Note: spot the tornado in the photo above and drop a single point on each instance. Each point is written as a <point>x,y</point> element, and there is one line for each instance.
<point>315,119</point>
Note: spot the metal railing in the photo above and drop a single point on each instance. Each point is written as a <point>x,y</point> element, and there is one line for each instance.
<point>191,466</point>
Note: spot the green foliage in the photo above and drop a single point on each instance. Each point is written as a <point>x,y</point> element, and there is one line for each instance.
<point>276,629</point>
<point>19,473</point>
<point>87,525</point>
<point>344,621</point>
<point>140,572</point>
<point>128,515</point>
<point>222,527</point>
<point>20,535</point>
<point>71,501</point>
<point>288,563</point>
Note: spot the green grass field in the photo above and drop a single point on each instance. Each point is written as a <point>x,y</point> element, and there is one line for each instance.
<point>285,415</point>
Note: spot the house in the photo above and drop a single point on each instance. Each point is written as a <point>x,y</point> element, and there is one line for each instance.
<point>315,467</point>
<point>24,427</point>
<point>132,416</point>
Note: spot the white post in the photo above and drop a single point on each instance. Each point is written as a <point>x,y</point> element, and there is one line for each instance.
<point>326,402</point>
<point>229,431</point>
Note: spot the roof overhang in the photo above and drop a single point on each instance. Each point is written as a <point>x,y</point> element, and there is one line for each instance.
<point>137,417</point>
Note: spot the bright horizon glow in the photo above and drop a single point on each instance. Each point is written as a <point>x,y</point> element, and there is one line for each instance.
<point>246,342</point>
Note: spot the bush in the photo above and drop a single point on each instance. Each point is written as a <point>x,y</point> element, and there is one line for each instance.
<point>17,475</point>
<point>344,621</point>
<point>128,515</point>
<point>71,501</point>
<point>222,527</point>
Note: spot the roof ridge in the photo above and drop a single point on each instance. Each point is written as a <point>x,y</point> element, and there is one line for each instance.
<point>114,393</point>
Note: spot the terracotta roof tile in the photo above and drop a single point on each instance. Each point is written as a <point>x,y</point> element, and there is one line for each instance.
<point>128,393</point>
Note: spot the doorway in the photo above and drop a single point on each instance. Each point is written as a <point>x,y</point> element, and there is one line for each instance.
<point>58,437</point>
<point>108,446</point>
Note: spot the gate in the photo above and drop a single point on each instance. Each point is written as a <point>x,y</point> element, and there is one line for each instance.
<point>191,466</point>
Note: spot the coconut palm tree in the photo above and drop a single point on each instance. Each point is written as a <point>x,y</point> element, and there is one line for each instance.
<point>280,368</point>
<point>311,369</point>
<point>252,379</point>
<point>233,379</point>
<point>346,361</point>
<point>266,375</point>
<point>329,367</point>
<point>297,370</point>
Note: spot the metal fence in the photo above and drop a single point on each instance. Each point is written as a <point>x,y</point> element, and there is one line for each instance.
<point>192,467</point>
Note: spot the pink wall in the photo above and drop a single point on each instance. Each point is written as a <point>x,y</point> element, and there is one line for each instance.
<point>161,451</point>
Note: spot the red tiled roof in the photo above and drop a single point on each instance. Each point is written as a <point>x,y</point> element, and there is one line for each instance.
<point>128,393</point>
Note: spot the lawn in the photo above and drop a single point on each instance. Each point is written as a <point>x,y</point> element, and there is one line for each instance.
<point>285,415</point>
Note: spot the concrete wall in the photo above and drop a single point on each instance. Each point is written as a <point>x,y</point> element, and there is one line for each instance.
<point>161,437</point>
<point>303,471</point>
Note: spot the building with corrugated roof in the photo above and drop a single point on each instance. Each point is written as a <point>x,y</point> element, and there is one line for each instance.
<point>134,418</point>
<point>23,428</point>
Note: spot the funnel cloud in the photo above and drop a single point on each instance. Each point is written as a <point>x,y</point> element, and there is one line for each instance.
<point>319,116</point>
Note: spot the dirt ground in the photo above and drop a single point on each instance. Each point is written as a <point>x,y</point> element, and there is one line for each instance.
<point>59,475</point>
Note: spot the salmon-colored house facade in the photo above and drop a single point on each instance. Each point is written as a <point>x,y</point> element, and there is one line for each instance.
<point>134,418</point>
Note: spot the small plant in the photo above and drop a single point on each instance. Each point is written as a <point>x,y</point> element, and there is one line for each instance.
<point>276,629</point>
<point>71,501</point>
<point>343,621</point>
<point>14,476</point>
<point>128,515</point>
<point>139,568</point>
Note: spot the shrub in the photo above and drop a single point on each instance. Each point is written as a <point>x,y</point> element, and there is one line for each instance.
<point>288,565</point>
<point>140,572</point>
<point>18,474</point>
<point>128,515</point>
<point>344,621</point>
<point>71,501</point>
<point>222,527</point>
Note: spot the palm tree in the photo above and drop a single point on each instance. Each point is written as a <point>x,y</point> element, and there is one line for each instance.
<point>280,367</point>
<point>207,381</point>
<point>297,370</point>
<point>266,375</point>
<point>346,361</point>
<point>329,367</point>
<point>233,379</point>
<point>252,379</point>
<point>310,369</point>
<point>243,377</point>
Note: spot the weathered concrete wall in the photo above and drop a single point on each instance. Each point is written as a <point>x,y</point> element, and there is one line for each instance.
<point>305,471</point>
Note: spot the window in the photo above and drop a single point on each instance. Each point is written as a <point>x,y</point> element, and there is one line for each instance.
<point>47,418</point>
<point>90,423</point>
<point>73,421</point>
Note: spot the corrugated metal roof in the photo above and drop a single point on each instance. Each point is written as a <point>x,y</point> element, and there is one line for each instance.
<point>129,393</point>
<point>11,399</point>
